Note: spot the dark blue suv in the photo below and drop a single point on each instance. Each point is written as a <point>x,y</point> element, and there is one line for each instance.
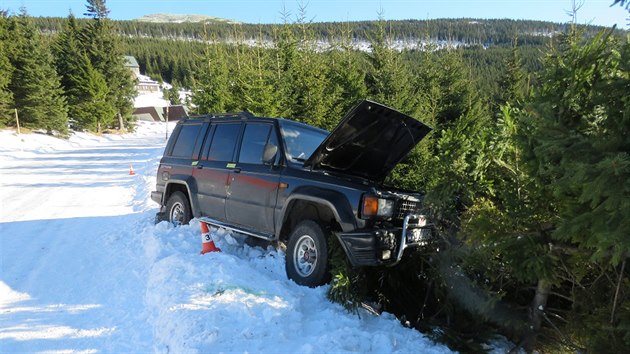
<point>281,180</point>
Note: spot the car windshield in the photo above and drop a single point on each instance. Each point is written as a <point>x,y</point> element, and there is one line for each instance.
<point>301,141</point>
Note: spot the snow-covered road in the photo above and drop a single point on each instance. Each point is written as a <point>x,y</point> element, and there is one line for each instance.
<point>84,269</point>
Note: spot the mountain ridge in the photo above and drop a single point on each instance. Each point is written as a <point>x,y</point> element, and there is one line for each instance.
<point>183,18</point>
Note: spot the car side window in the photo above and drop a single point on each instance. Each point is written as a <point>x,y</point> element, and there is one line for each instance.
<point>254,141</point>
<point>186,140</point>
<point>224,142</point>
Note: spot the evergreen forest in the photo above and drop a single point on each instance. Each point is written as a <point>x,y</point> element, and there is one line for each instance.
<point>526,174</point>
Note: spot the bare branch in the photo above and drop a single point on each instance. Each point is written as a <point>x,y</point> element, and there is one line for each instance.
<point>614,308</point>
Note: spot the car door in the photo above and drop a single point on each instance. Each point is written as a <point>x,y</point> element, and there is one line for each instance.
<point>212,170</point>
<point>253,184</point>
<point>184,146</point>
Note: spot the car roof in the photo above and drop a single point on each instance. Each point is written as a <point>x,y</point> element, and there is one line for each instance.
<point>243,116</point>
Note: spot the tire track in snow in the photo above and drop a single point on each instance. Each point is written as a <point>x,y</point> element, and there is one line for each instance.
<point>70,246</point>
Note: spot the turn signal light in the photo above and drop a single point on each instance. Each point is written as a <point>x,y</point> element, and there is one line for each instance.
<point>370,206</point>
<point>373,206</point>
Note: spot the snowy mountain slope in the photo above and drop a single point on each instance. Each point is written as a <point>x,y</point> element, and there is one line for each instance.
<point>84,269</point>
<point>183,18</point>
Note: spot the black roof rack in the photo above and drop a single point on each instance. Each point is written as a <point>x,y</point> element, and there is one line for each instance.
<point>237,115</point>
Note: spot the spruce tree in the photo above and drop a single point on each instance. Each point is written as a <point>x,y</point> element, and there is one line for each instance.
<point>507,225</point>
<point>91,107</point>
<point>103,47</point>
<point>6,71</point>
<point>67,51</point>
<point>35,84</point>
<point>85,87</point>
<point>555,212</point>
<point>575,145</point>
<point>310,76</point>
<point>346,79</point>
<point>512,85</point>
<point>257,81</point>
<point>210,86</point>
<point>285,68</point>
<point>96,9</point>
<point>578,143</point>
<point>388,78</point>
<point>172,94</point>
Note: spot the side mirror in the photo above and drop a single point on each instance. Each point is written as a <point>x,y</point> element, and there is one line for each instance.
<point>269,154</point>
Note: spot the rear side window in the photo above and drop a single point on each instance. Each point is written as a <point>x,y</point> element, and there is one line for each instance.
<point>224,141</point>
<point>186,139</point>
<point>254,141</point>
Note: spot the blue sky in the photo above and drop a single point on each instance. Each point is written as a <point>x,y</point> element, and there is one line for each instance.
<point>597,12</point>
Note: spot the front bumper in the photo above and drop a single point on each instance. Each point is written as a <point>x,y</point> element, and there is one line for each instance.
<point>385,246</point>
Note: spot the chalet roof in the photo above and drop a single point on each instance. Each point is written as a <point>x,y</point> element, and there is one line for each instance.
<point>131,62</point>
<point>175,113</point>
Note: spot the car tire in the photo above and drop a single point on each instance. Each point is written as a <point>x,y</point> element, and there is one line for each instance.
<point>307,255</point>
<point>178,209</point>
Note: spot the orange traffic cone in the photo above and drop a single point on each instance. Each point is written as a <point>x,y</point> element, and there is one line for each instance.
<point>131,171</point>
<point>207,245</point>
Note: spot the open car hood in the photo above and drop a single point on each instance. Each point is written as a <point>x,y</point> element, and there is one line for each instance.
<point>369,142</point>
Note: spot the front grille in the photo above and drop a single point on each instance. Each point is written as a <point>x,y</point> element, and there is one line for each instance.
<point>364,257</point>
<point>406,207</point>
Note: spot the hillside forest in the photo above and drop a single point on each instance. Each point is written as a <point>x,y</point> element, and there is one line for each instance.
<point>526,174</point>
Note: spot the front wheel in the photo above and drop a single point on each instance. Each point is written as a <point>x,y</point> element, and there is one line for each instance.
<point>178,209</point>
<point>307,255</point>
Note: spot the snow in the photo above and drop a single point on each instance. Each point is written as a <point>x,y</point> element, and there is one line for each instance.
<point>85,270</point>
<point>150,99</point>
<point>156,99</point>
<point>146,79</point>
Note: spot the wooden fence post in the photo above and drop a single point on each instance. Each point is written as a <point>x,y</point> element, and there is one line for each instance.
<point>166,121</point>
<point>17,121</point>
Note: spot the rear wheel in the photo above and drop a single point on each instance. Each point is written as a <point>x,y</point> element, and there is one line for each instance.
<point>178,209</point>
<point>307,255</point>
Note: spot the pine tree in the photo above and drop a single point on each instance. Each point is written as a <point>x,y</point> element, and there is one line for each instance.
<point>35,84</point>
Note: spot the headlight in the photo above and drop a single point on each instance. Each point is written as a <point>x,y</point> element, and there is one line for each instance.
<point>373,206</point>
